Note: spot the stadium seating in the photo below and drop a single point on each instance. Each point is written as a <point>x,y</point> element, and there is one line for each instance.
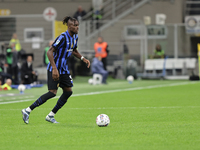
<point>158,68</point>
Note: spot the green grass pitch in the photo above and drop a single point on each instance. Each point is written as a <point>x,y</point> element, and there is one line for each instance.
<point>153,115</point>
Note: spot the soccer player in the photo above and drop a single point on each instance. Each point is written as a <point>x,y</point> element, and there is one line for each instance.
<point>58,72</point>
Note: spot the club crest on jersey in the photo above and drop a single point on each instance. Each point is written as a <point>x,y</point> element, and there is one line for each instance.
<point>72,45</point>
<point>58,41</point>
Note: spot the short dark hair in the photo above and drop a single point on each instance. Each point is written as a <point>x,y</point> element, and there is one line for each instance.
<point>67,18</point>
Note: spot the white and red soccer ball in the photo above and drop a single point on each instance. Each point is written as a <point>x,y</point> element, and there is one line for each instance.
<point>102,120</point>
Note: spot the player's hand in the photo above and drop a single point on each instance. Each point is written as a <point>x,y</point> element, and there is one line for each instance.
<point>55,74</point>
<point>87,62</point>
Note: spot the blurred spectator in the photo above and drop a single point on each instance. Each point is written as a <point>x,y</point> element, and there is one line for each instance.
<point>12,60</point>
<point>28,76</point>
<point>9,60</point>
<point>97,11</point>
<point>79,13</point>
<point>97,67</point>
<point>4,75</point>
<point>158,52</point>
<point>46,59</point>
<point>16,41</point>
<point>7,85</point>
<point>101,49</point>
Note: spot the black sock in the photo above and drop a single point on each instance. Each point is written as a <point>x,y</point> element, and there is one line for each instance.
<point>62,100</point>
<point>42,100</point>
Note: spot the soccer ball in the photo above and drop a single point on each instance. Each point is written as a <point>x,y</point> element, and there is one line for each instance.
<point>90,81</point>
<point>21,88</point>
<point>130,79</point>
<point>102,120</point>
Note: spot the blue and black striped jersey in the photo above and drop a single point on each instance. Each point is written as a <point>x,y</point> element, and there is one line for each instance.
<point>64,45</point>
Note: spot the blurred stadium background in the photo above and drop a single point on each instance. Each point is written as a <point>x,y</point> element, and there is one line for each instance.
<point>132,29</point>
<point>147,114</point>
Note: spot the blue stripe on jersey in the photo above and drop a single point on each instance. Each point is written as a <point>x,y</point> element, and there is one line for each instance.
<point>64,45</point>
<point>64,56</point>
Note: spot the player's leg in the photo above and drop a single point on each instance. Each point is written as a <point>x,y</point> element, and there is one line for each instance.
<point>41,100</point>
<point>104,61</point>
<point>104,75</point>
<point>67,92</point>
<point>65,83</point>
<point>52,87</point>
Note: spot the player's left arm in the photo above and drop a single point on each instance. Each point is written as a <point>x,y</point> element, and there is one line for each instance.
<point>79,56</point>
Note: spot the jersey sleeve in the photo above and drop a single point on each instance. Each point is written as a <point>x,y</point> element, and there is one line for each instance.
<point>59,42</point>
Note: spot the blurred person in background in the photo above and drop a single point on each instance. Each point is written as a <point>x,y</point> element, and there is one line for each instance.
<point>158,52</point>
<point>18,48</point>
<point>7,85</point>
<point>12,62</point>
<point>9,60</point>
<point>97,67</point>
<point>79,13</point>
<point>4,75</point>
<point>101,49</point>
<point>28,76</point>
<point>16,41</point>
<point>97,11</point>
<point>46,59</point>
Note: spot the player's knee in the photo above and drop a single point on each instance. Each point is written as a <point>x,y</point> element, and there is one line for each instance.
<point>67,94</point>
<point>53,91</point>
<point>67,89</point>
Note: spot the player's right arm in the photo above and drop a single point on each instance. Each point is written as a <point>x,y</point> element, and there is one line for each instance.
<point>57,44</point>
<point>55,74</point>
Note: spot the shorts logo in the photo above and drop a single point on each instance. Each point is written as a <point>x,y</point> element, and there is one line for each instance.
<point>70,77</point>
<point>58,41</point>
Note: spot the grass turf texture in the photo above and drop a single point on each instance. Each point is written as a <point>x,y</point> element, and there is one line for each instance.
<point>149,117</point>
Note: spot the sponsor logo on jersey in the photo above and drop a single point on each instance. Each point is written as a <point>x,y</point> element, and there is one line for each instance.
<point>58,41</point>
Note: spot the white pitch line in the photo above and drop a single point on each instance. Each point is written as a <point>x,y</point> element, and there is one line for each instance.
<point>113,91</point>
<point>26,100</point>
<point>162,107</point>
<point>13,98</point>
<point>132,89</point>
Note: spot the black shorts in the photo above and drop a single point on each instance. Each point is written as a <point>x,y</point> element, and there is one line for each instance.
<point>65,80</point>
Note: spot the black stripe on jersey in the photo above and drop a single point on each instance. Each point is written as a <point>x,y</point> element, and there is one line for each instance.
<point>62,53</point>
<point>56,48</point>
<point>76,44</point>
<point>69,39</point>
<point>51,45</point>
<point>57,52</point>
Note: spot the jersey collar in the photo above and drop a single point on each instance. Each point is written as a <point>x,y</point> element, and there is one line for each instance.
<point>69,34</point>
